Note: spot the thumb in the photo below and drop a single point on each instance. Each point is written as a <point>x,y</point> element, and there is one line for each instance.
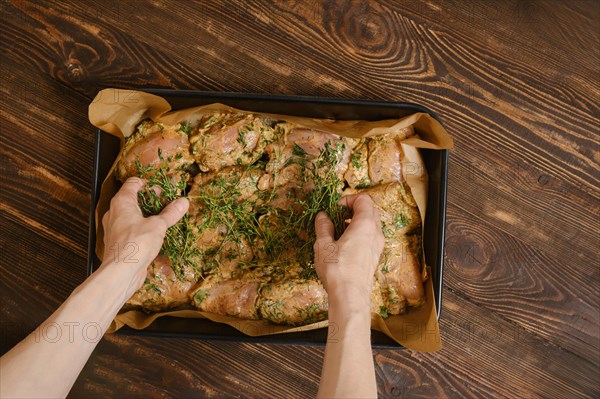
<point>324,227</point>
<point>174,211</point>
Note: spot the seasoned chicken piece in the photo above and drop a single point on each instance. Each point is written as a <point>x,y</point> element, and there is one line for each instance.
<point>293,302</point>
<point>154,145</point>
<point>298,160</point>
<point>213,194</point>
<point>399,271</point>
<point>274,242</point>
<point>397,208</point>
<point>233,297</point>
<point>377,160</point>
<point>230,139</point>
<point>385,160</point>
<point>162,289</point>
<point>208,235</point>
<point>284,188</point>
<point>306,145</point>
<point>377,305</point>
<point>219,253</point>
<point>231,255</point>
<point>357,174</point>
<point>399,274</point>
<point>235,182</point>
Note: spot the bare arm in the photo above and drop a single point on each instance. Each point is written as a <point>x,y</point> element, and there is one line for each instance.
<point>346,268</point>
<point>47,362</point>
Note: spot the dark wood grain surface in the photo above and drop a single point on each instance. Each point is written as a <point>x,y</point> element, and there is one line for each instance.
<point>516,84</point>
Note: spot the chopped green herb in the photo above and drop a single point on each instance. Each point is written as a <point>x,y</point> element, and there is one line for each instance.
<point>400,221</point>
<point>298,151</point>
<point>213,119</point>
<point>200,296</point>
<point>383,312</point>
<point>387,231</point>
<point>241,137</point>
<point>186,127</point>
<point>385,268</point>
<point>355,160</point>
<point>179,242</point>
<point>155,288</point>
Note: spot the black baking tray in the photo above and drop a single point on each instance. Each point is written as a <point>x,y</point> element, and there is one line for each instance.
<point>436,163</point>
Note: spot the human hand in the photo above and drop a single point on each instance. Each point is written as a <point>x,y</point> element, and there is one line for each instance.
<point>131,240</point>
<point>346,266</point>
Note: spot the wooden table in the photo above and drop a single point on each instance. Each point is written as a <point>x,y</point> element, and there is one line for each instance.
<point>516,84</point>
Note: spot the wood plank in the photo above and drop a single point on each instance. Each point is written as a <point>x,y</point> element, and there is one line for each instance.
<point>38,273</point>
<point>483,356</point>
<point>515,83</point>
<point>501,359</point>
<point>461,66</point>
<point>500,182</point>
<point>47,175</point>
<point>458,123</point>
<point>523,285</point>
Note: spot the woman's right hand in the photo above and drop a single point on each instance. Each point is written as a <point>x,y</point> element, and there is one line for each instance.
<point>346,266</point>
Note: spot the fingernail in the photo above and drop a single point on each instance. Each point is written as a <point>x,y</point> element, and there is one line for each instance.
<point>181,204</point>
<point>134,180</point>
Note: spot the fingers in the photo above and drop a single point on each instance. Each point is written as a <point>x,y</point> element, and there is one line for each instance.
<point>174,211</point>
<point>361,205</point>
<point>365,215</point>
<point>127,197</point>
<point>324,227</point>
<point>105,220</point>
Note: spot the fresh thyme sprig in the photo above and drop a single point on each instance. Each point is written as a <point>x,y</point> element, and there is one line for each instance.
<point>320,190</point>
<point>324,197</point>
<point>162,188</point>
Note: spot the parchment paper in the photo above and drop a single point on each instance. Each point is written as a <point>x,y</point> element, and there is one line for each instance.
<point>118,112</point>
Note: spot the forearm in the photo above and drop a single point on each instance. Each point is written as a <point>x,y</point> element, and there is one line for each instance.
<point>348,370</point>
<point>48,361</point>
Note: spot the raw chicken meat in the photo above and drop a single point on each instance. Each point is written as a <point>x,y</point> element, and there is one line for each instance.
<point>400,275</point>
<point>397,208</point>
<point>248,231</point>
<point>294,302</point>
<point>162,289</point>
<point>399,270</point>
<point>377,160</point>
<point>153,146</point>
<point>230,139</point>
<point>232,297</point>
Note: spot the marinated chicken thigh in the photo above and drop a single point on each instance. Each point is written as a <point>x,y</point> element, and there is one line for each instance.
<point>399,274</point>
<point>293,302</point>
<point>397,208</point>
<point>357,174</point>
<point>301,145</point>
<point>399,270</point>
<point>247,240</point>
<point>153,146</point>
<point>377,160</point>
<point>162,288</point>
<point>227,139</point>
<point>299,160</point>
<point>233,297</point>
